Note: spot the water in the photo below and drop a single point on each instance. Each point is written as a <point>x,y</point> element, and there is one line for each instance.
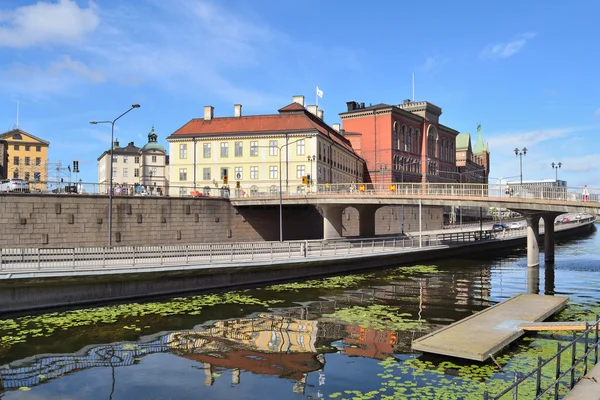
<point>346,337</point>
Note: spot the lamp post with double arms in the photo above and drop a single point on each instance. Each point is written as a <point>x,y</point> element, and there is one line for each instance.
<point>311,159</point>
<point>110,188</point>
<point>521,153</point>
<point>281,185</point>
<point>556,167</point>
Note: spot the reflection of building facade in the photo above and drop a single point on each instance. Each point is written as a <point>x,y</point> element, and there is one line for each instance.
<point>27,157</point>
<point>215,151</point>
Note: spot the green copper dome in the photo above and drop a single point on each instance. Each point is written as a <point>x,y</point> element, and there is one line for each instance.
<point>152,142</point>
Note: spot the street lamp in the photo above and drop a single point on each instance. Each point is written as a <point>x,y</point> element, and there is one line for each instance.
<point>281,186</point>
<point>556,167</point>
<point>110,189</point>
<point>521,153</point>
<point>311,159</point>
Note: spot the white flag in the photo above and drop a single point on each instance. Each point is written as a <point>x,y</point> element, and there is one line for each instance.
<point>319,92</point>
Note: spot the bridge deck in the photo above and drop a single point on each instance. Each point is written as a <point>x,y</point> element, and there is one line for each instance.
<point>489,331</point>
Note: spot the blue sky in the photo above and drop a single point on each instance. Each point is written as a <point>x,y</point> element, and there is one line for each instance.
<point>527,71</point>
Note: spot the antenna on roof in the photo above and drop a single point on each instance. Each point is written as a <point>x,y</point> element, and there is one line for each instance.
<point>17,124</point>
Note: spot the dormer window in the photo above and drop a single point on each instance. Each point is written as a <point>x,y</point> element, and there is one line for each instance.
<point>17,136</point>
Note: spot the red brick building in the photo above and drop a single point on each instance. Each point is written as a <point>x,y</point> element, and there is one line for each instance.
<point>402,143</point>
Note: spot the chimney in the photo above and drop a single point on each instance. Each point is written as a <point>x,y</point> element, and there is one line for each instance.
<point>130,144</point>
<point>336,127</point>
<point>116,143</point>
<point>406,101</point>
<point>352,105</point>
<point>320,113</point>
<point>237,110</point>
<point>208,112</point>
<point>312,110</point>
<point>298,99</point>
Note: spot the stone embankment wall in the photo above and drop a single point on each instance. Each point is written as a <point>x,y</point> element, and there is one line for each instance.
<point>52,221</point>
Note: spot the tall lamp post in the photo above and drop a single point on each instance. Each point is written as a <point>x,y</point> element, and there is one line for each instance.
<point>311,159</point>
<point>521,153</point>
<point>556,167</point>
<point>110,188</point>
<point>281,186</point>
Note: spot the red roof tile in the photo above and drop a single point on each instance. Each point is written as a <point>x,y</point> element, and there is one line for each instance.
<point>287,121</point>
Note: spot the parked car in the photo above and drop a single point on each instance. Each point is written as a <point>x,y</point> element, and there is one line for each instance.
<point>14,185</point>
<point>499,227</point>
<point>565,220</point>
<point>516,225</point>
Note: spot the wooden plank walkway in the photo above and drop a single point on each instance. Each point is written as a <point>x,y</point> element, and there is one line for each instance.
<point>489,331</point>
<point>556,326</point>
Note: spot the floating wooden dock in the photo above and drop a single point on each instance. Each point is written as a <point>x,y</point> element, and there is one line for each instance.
<point>489,331</point>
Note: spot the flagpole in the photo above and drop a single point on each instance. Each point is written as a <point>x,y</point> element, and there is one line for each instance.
<point>317,96</point>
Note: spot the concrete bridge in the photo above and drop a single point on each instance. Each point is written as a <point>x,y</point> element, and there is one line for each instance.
<point>534,202</point>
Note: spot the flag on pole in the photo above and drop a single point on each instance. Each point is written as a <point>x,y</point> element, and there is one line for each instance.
<point>319,92</point>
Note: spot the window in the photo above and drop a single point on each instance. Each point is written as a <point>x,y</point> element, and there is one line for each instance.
<point>125,173</point>
<point>27,148</point>
<point>273,147</point>
<point>153,158</point>
<point>224,149</point>
<point>403,138</point>
<point>37,176</point>
<point>16,160</point>
<point>206,150</point>
<point>152,171</point>
<point>300,169</point>
<point>17,147</point>
<point>125,159</point>
<point>238,173</point>
<point>409,145</point>
<point>183,174</point>
<point>395,136</point>
<point>253,172</point>
<point>136,172</point>
<point>115,159</point>
<point>114,171</point>
<point>239,149</point>
<point>27,161</point>
<point>38,148</point>
<point>38,161</point>
<point>273,172</point>
<point>27,176</point>
<point>17,136</point>
<point>183,151</point>
<point>206,174</point>
<point>253,149</point>
<point>224,172</point>
<point>300,147</point>
<point>136,160</point>
<point>16,173</point>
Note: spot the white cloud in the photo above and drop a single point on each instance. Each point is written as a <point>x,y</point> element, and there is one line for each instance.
<point>66,64</point>
<point>530,138</point>
<point>62,22</point>
<point>505,50</point>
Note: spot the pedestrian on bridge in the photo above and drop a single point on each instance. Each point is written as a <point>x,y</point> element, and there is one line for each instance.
<point>585,195</point>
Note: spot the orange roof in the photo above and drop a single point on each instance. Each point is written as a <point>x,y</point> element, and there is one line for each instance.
<point>292,118</point>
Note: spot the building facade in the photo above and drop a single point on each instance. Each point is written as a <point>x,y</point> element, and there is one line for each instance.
<point>135,167</point>
<point>473,163</point>
<point>259,153</point>
<point>27,157</point>
<point>401,143</point>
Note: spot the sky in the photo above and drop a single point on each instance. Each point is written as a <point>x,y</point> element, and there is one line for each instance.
<point>527,71</point>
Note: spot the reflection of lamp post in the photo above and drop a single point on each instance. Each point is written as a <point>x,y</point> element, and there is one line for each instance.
<point>281,187</point>
<point>311,159</point>
<point>112,145</point>
<point>556,167</point>
<point>521,153</point>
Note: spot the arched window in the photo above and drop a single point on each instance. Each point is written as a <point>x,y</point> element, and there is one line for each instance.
<point>403,138</point>
<point>395,136</point>
<point>432,141</point>
<point>418,141</point>
<point>410,141</point>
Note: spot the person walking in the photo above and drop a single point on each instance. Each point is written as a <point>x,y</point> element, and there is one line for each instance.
<point>585,194</point>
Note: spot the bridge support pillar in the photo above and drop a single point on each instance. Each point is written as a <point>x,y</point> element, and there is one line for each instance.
<point>549,236</point>
<point>366,220</point>
<point>533,234</point>
<point>332,221</point>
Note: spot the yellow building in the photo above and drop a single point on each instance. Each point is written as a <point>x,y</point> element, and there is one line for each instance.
<point>27,158</point>
<point>256,151</point>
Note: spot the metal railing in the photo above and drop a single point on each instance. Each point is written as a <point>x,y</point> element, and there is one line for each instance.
<point>82,258</point>
<point>559,374</point>
<point>247,190</point>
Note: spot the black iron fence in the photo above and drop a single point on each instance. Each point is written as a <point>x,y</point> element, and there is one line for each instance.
<point>566,361</point>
